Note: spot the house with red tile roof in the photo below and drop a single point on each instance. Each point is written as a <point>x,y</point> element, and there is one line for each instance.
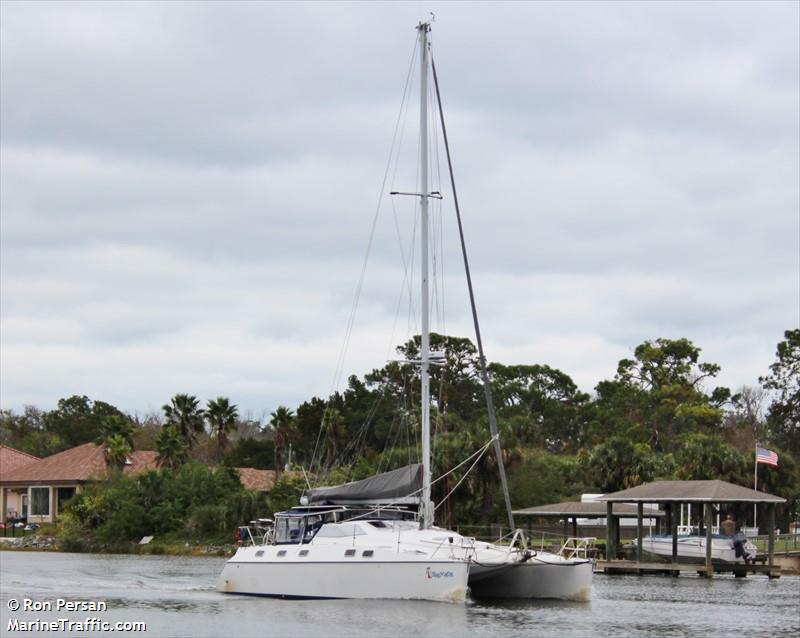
<point>13,501</point>
<point>36,489</point>
<point>11,459</point>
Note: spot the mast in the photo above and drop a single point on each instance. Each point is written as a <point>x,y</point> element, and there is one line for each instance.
<point>427,513</point>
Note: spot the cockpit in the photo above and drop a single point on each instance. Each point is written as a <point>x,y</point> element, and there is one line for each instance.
<point>300,525</point>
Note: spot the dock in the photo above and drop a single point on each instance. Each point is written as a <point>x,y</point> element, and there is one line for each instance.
<point>621,566</point>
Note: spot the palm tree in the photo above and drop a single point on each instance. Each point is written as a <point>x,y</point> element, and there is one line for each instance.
<point>115,425</point>
<point>282,422</point>
<point>186,416</point>
<point>117,449</point>
<point>221,417</point>
<point>171,447</point>
<point>116,437</point>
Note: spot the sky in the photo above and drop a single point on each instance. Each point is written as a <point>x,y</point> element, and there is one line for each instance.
<point>187,190</point>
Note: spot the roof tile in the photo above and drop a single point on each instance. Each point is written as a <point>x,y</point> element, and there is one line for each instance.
<point>257,480</point>
<point>12,459</point>
<point>81,463</point>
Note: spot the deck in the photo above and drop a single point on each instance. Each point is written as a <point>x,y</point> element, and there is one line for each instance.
<point>675,569</point>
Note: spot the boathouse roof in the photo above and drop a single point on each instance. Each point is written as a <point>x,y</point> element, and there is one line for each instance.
<point>690,492</point>
<point>583,510</point>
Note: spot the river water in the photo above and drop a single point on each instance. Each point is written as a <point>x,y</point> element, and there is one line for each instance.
<point>175,596</point>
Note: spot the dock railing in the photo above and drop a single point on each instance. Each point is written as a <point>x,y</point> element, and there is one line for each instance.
<point>784,543</point>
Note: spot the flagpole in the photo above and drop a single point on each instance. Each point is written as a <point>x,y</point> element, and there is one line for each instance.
<point>755,486</point>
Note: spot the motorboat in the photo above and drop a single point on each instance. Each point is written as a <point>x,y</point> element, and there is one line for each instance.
<point>692,547</point>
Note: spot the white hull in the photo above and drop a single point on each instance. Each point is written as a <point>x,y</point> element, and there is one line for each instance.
<point>349,568</point>
<point>693,548</point>
<point>399,561</point>
<point>544,575</point>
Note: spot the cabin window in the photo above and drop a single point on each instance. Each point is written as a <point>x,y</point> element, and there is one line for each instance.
<point>289,529</point>
<point>40,501</point>
<point>303,552</point>
<point>260,552</point>
<point>350,552</point>
<point>282,552</point>
<point>339,530</point>
<point>367,553</point>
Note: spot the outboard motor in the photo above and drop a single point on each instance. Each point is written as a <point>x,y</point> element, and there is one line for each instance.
<point>739,541</point>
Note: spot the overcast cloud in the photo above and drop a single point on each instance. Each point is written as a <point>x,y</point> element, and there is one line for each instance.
<point>186,189</point>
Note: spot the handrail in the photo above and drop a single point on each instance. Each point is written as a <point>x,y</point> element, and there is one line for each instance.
<point>518,534</point>
<point>577,547</point>
<point>468,548</point>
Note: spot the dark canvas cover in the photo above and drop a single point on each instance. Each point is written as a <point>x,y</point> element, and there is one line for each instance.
<point>401,486</point>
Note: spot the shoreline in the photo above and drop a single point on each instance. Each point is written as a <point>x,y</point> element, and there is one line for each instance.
<point>51,544</point>
<point>198,550</point>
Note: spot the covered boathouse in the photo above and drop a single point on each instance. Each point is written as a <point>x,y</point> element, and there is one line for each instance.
<point>574,511</point>
<point>670,495</point>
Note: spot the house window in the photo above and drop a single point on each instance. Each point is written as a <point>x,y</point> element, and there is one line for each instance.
<point>40,501</point>
<point>63,495</point>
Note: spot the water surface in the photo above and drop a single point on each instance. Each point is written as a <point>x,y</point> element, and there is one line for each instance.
<point>175,596</point>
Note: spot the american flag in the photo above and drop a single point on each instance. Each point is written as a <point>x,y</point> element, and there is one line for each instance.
<point>766,456</point>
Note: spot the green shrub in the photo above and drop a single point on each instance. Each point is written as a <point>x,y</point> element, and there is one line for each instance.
<point>193,501</point>
<point>70,534</point>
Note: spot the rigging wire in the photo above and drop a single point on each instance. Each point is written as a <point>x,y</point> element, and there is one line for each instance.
<point>397,425</point>
<point>466,474</point>
<point>479,453</point>
<point>359,286</point>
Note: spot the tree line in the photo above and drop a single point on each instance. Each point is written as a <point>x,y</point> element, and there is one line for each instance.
<point>660,417</point>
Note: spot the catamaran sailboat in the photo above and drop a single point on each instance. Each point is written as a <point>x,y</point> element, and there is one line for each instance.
<point>360,540</point>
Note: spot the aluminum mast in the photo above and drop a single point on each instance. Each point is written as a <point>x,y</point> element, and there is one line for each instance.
<point>427,512</point>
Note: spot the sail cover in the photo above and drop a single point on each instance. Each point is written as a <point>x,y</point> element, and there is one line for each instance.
<point>401,486</point>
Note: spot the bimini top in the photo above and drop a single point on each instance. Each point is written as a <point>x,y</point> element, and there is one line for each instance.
<point>399,487</point>
<point>690,492</point>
